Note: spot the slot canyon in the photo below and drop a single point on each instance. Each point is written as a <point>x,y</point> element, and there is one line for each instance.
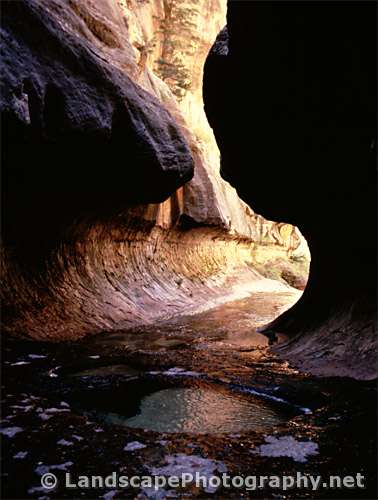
<point>188,255</point>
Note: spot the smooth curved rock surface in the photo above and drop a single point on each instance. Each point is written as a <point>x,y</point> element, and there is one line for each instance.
<point>121,274</point>
<point>102,231</point>
<point>78,130</point>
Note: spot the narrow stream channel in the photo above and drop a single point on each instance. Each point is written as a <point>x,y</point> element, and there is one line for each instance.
<point>201,386</point>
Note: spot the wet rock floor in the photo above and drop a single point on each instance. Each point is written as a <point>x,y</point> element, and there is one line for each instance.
<point>47,388</point>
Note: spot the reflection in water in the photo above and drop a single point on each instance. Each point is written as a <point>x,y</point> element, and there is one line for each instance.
<point>195,408</point>
<point>200,411</point>
<point>211,329</point>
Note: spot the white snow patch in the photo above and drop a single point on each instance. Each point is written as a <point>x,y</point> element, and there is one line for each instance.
<point>44,416</point>
<point>78,438</point>
<point>55,410</point>
<point>64,442</point>
<point>49,412</point>
<point>36,356</point>
<point>156,494</point>
<point>44,469</point>
<point>10,431</point>
<point>6,419</point>
<point>110,495</point>
<point>36,489</point>
<point>23,408</point>
<point>134,445</point>
<point>20,363</point>
<point>20,455</point>
<point>94,357</point>
<point>51,373</point>
<point>179,464</point>
<point>29,398</point>
<point>181,371</point>
<point>287,446</point>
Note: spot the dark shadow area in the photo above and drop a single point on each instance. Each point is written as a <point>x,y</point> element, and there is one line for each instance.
<point>293,107</point>
<point>79,138</point>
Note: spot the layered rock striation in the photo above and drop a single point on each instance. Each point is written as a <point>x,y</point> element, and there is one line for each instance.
<point>103,128</point>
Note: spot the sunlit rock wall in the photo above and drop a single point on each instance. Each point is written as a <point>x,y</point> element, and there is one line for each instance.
<point>125,274</point>
<point>153,24</point>
<point>96,140</point>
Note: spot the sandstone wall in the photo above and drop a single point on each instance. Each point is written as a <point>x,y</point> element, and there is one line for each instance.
<point>102,228</point>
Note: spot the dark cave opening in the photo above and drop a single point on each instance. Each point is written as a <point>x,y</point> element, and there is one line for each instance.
<point>304,149</point>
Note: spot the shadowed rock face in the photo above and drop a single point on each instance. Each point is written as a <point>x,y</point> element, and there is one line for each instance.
<point>101,229</point>
<point>293,108</point>
<point>78,132</point>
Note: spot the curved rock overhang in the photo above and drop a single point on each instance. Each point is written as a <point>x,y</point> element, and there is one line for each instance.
<point>293,107</point>
<point>101,228</point>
